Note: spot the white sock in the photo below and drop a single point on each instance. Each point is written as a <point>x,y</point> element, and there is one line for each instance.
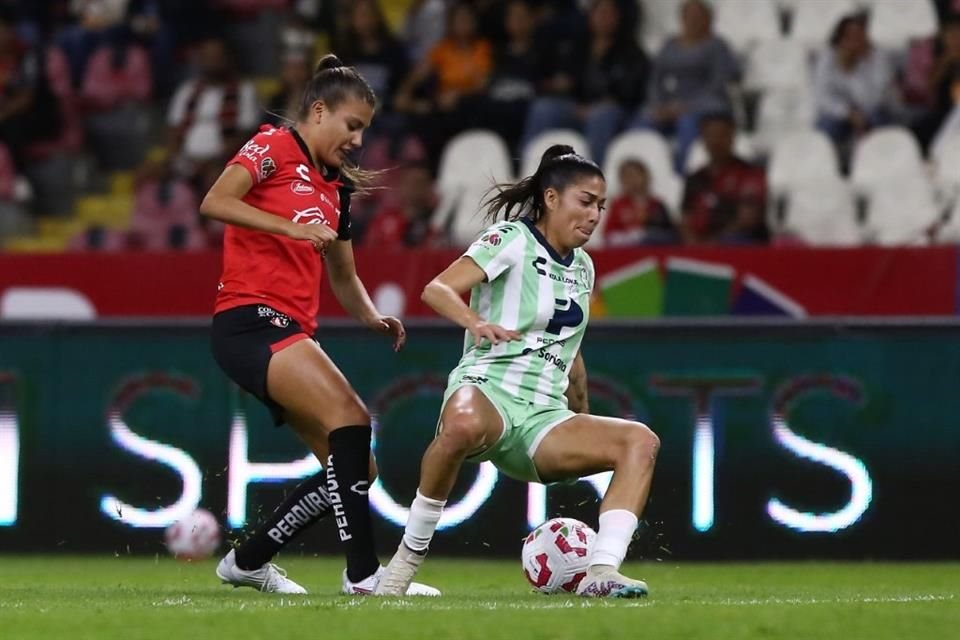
<point>422,522</point>
<point>613,538</point>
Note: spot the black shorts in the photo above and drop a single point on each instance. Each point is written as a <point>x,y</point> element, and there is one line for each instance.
<point>243,340</point>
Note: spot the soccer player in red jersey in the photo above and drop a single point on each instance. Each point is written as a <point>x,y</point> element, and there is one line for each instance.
<point>285,197</point>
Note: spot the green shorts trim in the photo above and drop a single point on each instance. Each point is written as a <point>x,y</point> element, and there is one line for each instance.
<point>525,425</point>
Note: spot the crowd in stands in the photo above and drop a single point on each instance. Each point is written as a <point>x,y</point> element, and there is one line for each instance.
<point>716,121</point>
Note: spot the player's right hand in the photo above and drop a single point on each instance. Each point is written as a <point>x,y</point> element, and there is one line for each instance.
<point>493,332</point>
<point>319,235</point>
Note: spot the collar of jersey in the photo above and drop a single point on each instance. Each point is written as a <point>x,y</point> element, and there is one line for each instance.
<point>327,171</point>
<point>546,245</point>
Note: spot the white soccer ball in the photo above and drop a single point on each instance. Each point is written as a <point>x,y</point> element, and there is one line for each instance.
<point>556,555</point>
<point>195,537</point>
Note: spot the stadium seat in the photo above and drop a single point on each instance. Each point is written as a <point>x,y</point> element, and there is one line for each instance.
<point>949,230</point>
<point>946,166</point>
<point>471,163</point>
<point>744,23</point>
<point>885,154</point>
<point>697,157</point>
<point>893,23</point>
<point>782,111</point>
<point>813,22</point>
<point>535,148</point>
<point>459,213</point>
<point>902,212</point>
<point>475,156</point>
<point>777,64</point>
<point>822,213</point>
<point>652,148</point>
<point>799,158</point>
<point>659,19</point>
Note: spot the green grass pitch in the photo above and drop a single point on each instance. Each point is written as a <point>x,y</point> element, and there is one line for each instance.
<point>104,598</point>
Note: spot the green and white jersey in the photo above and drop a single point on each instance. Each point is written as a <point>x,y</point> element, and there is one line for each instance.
<point>546,298</point>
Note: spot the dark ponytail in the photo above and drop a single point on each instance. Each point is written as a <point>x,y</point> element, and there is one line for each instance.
<point>332,82</point>
<point>559,166</point>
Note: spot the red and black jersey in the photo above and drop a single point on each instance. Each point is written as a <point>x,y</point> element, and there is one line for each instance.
<point>266,268</point>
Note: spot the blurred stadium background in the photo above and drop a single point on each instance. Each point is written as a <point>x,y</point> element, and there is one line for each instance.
<point>778,271</point>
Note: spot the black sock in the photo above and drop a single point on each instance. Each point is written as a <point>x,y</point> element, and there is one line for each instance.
<point>307,504</point>
<point>348,479</point>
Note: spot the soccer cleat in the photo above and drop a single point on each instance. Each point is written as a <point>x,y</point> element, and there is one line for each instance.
<point>610,583</point>
<point>372,586</point>
<point>269,578</point>
<point>396,578</point>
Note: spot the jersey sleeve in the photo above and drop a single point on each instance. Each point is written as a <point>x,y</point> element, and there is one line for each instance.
<point>343,227</point>
<point>257,156</point>
<point>499,248</point>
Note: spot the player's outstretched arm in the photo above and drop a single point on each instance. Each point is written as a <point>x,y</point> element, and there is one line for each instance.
<point>224,202</point>
<point>444,294</point>
<point>353,296</point>
<point>577,389</point>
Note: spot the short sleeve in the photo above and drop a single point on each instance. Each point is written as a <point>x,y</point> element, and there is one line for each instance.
<point>499,248</point>
<point>257,156</point>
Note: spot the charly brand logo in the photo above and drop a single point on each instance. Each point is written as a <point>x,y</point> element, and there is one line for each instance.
<point>302,188</point>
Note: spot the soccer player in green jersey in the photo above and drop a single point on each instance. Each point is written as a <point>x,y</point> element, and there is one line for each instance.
<point>519,395</point>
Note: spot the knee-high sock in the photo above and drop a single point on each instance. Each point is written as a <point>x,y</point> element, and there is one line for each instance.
<point>348,480</point>
<point>613,537</point>
<point>305,505</point>
<point>424,515</point>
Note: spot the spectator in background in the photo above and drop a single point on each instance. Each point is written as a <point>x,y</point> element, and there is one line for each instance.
<point>407,221</point>
<point>210,115</point>
<point>852,83</point>
<point>117,73</point>
<point>593,90</point>
<point>284,105</point>
<point>458,70</point>
<point>29,110</point>
<point>95,20</point>
<point>515,73</point>
<point>725,202</point>
<point>424,28</point>
<point>944,72</point>
<point>165,209</point>
<point>637,216</point>
<point>689,78</point>
<point>368,45</point>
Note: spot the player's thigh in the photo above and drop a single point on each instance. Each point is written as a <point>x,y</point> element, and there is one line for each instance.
<point>585,444</point>
<point>468,415</point>
<point>314,393</point>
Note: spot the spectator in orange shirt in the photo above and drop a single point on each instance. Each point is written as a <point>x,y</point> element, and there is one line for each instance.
<point>638,216</point>
<point>406,222</point>
<point>444,93</point>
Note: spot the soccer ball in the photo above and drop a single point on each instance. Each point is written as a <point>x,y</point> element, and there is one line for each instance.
<point>556,555</point>
<point>195,537</point>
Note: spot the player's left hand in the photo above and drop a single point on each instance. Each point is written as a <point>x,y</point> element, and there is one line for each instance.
<point>392,327</point>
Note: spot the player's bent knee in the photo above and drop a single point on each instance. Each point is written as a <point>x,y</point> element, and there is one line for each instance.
<point>350,411</point>
<point>639,437</point>
<point>462,430</point>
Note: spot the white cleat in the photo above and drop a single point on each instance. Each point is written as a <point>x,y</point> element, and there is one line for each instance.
<point>610,583</point>
<point>397,578</point>
<point>269,578</point>
<point>372,586</point>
